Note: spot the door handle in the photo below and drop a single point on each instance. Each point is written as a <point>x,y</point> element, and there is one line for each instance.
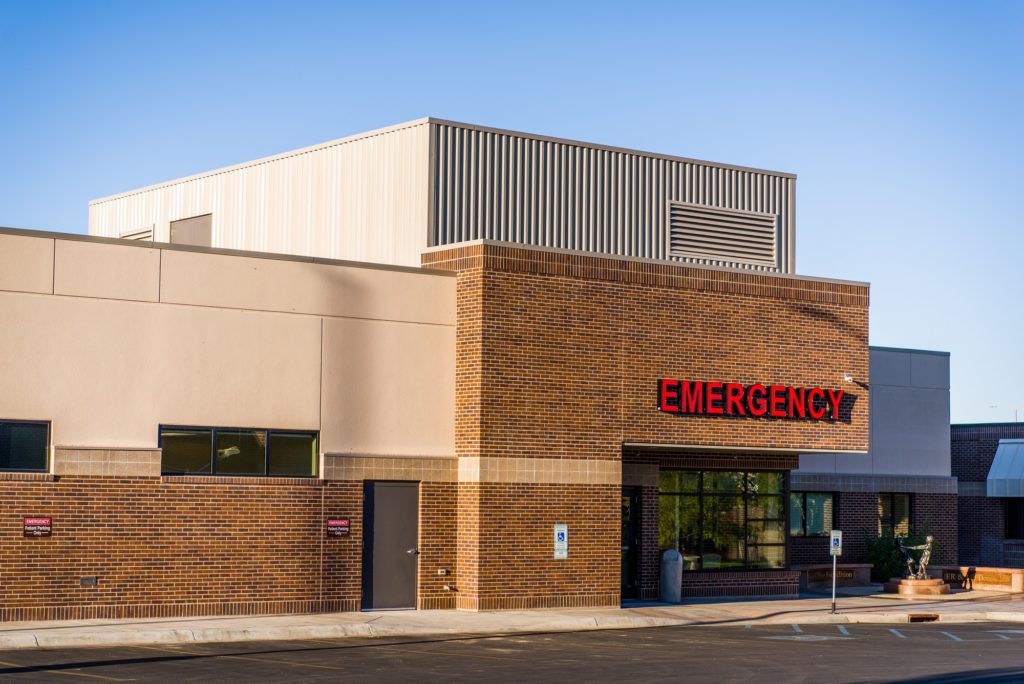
<point>413,552</point>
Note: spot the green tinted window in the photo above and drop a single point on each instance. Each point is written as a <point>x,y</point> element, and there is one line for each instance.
<point>293,453</point>
<point>723,482</point>
<point>679,481</point>
<point>735,520</point>
<point>241,452</point>
<point>186,451</point>
<point>766,483</point>
<point>24,446</point>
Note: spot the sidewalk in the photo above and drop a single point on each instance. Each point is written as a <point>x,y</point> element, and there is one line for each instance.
<point>967,607</point>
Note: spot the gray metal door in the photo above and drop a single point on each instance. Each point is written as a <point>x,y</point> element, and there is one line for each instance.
<point>390,539</point>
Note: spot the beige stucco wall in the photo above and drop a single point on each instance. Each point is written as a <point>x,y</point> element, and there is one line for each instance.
<point>137,336</point>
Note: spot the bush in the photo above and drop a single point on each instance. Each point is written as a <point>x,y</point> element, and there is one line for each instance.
<point>885,558</point>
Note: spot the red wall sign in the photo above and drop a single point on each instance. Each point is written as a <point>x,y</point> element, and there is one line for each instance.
<point>38,527</point>
<point>338,527</point>
<point>695,398</point>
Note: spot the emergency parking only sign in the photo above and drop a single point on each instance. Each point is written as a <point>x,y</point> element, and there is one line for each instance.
<point>836,545</point>
<point>561,541</point>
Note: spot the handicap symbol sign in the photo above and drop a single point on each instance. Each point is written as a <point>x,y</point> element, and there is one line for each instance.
<point>561,536</point>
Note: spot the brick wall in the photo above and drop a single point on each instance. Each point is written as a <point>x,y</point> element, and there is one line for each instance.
<point>981,524</point>
<point>558,356</point>
<point>196,546</point>
<point>858,518</point>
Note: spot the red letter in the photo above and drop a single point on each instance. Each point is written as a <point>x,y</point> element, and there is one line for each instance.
<point>797,402</point>
<point>778,395</point>
<point>714,394</point>
<point>692,397</point>
<point>835,398</point>
<point>666,392</point>
<point>813,395</point>
<point>734,399</point>
<point>757,405</point>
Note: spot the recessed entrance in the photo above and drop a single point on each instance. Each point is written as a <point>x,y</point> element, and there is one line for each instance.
<point>630,542</point>
<point>390,544</point>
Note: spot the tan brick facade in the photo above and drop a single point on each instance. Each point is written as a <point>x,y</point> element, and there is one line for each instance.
<point>558,356</point>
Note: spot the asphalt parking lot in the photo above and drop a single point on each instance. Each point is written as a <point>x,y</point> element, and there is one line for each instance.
<point>976,653</point>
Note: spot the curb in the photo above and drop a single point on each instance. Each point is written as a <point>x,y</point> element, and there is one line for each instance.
<point>75,638</point>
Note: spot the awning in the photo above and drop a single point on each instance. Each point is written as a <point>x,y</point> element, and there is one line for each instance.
<point>1006,476</point>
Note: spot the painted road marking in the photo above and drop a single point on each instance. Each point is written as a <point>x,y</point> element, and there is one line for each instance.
<point>1007,631</point>
<point>1003,636</point>
<point>808,637</point>
<point>796,628</point>
<point>61,672</point>
<point>844,631</point>
<point>898,633</point>
<point>954,637</point>
<point>749,625</point>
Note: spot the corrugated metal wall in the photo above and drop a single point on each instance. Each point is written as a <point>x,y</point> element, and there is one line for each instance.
<point>362,198</point>
<point>500,185</point>
<point>386,195</point>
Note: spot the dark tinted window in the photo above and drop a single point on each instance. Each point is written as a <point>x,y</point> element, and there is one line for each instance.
<point>241,452</point>
<point>232,451</point>
<point>723,520</point>
<point>293,453</point>
<point>24,446</point>
<point>186,452</point>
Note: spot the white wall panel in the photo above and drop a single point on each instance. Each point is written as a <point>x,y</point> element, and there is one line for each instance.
<point>362,198</point>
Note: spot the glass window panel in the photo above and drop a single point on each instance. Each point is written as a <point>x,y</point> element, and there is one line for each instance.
<point>679,481</point>
<point>679,527</point>
<point>766,557</point>
<point>723,542</point>
<point>24,446</point>
<point>293,453</point>
<point>241,452</point>
<point>766,483</point>
<point>796,514</point>
<point>901,514</point>
<point>884,513</point>
<point>765,532</point>
<point>819,514</point>
<point>760,507</point>
<point>185,451</point>
<point>723,482</point>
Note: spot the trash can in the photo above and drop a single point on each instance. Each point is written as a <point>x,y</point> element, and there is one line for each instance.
<point>671,576</point>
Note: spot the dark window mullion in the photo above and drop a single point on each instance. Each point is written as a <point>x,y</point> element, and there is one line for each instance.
<point>213,451</point>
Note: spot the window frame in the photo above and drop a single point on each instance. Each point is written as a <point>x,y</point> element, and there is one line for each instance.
<point>892,507</point>
<point>46,450</point>
<point>746,496</point>
<point>803,514</point>
<point>213,450</point>
<point>1013,520</point>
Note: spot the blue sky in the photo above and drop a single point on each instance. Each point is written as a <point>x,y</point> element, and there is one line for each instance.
<point>902,120</point>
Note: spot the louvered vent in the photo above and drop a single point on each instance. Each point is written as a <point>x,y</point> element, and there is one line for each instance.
<point>706,233</point>
<point>144,234</point>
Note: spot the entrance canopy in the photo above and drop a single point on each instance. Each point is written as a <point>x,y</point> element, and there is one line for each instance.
<point>1006,476</point>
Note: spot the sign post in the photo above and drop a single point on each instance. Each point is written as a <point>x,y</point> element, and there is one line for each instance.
<point>835,548</point>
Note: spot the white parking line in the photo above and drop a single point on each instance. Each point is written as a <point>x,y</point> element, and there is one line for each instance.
<point>954,637</point>
<point>796,628</point>
<point>843,630</point>
<point>898,633</point>
<point>1003,636</point>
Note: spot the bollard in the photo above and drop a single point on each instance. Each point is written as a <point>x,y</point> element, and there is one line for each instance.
<point>671,576</point>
